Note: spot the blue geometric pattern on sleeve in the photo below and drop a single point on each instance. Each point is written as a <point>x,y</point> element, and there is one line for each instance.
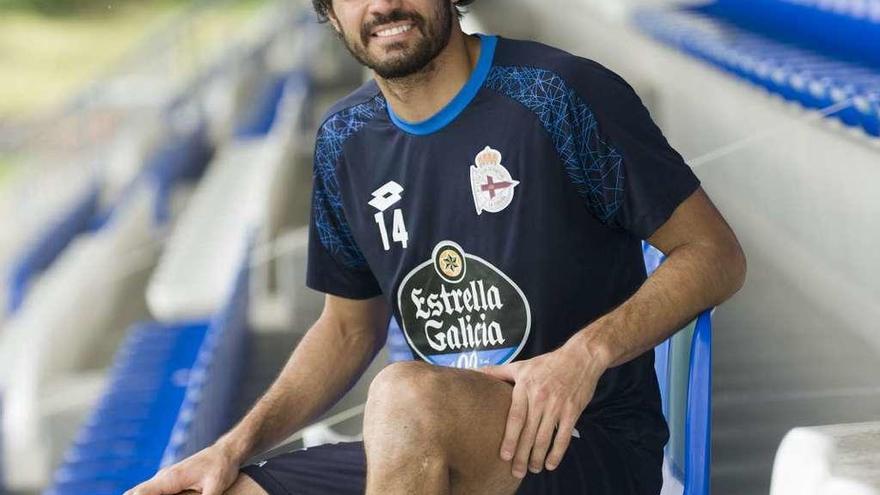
<point>594,166</point>
<point>333,229</point>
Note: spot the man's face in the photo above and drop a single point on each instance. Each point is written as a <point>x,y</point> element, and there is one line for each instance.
<point>395,38</point>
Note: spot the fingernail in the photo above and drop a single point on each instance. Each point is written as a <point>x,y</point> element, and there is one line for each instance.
<point>506,455</point>
<point>519,474</point>
<point>551,466</point>
<point>535,470</point>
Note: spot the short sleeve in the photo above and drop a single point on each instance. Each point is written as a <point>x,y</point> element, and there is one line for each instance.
<point>335,263</point>
<point>634,178</point>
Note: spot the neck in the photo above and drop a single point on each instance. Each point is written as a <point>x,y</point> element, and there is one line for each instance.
<point>419,96</point>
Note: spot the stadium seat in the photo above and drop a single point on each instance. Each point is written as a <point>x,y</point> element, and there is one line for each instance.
<point>168,396</point>
<point>263,109</point>
<point>684,373</point>
<point>44,249</point>
<point>182,156</point>
<point>813,79</point>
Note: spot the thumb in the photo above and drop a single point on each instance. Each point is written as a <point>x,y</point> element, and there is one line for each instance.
<point>214,486</point>
<point>504,372</point>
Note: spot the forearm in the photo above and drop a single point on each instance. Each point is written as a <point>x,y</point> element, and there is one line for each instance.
<point>693,277</point>
<point>326,363</point>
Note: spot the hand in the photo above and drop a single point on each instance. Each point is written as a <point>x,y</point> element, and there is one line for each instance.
<point>550,392</point>
<point>209,472</point>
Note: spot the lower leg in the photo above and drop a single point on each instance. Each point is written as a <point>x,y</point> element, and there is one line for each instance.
<point>408,472</point>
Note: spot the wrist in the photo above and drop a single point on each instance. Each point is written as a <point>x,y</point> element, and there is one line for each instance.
<point>591,344</point>
<point>234,447</point>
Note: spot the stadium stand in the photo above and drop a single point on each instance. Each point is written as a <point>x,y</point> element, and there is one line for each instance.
<point>756,43</point>
<point>194,353</point>
<point>45,345</point>
<point>821,56</point>
<point>136,198</point>
<point>227,202</point>
<point>168,397</point>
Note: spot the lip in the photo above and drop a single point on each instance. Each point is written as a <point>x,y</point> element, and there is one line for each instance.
<point>392,25</point>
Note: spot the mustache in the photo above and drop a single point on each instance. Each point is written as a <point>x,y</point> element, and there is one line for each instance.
<point>396,15</point>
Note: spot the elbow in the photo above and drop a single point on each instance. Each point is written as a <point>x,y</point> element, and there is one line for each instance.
<point>736,267</point>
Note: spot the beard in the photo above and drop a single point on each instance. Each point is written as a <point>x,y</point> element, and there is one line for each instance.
<point>404,58</point>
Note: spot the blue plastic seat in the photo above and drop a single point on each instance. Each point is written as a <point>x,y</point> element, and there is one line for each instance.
<point>684,373</point>
<point>46,248</point>
<point>123,440</point>
<point>168,396</point>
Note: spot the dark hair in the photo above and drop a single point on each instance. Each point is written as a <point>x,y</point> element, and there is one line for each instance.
<point>322,7</point>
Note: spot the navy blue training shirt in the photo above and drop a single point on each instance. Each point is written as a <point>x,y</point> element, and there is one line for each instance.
<point>507,221</point>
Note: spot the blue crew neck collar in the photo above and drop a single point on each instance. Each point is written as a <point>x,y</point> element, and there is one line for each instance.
<point>461,100</point>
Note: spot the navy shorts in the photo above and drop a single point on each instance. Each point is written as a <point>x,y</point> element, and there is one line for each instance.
<point>597,463</point>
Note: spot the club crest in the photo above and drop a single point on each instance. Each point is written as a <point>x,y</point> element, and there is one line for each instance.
<point>491,183</point>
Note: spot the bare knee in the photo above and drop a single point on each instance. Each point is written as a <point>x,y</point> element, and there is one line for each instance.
<point>245,485</point>
<point>404,404</point>
<point>404,385</point>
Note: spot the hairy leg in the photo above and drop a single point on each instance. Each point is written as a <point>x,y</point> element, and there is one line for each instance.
<point>430,429</point>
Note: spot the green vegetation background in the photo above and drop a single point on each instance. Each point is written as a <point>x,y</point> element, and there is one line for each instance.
<point>72,7</point>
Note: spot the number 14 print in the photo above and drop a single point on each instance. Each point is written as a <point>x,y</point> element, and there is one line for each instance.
<point>383,198</point>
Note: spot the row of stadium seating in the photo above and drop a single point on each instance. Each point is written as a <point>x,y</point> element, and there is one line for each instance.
<point>168,397</point>
<point>166,146</point>
<point>250,101</point>
<point>179,159</point>
<point>847,90</point>
<point>841,29</point>
<point>821,55</point>
<point>228,210</point>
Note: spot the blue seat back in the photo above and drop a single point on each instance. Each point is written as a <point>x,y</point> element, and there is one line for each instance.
<point>684,373</point>
<point>848,32</point>
<point>43,251</point>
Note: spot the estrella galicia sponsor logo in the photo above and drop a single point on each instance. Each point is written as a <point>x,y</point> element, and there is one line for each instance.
<point>459,310</point>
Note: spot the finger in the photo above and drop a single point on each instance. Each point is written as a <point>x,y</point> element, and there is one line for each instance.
<point>212,487</point>
<point>164,482</point>
<point>527,440</point>
<point>542,439</point>
<point>516,418</point>
<point>563,438</point>
<point>144,488</point>
<point>504,372</point>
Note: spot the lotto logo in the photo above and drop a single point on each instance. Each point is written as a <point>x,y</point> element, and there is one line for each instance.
<point>383,198</point>
<point>386,196</point>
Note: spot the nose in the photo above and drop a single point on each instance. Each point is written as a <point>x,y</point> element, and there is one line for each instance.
<point>383,7</point>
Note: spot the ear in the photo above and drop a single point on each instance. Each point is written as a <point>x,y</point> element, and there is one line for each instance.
<point>331,16</point>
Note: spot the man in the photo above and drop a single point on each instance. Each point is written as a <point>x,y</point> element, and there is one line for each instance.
<point>492,195</point>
